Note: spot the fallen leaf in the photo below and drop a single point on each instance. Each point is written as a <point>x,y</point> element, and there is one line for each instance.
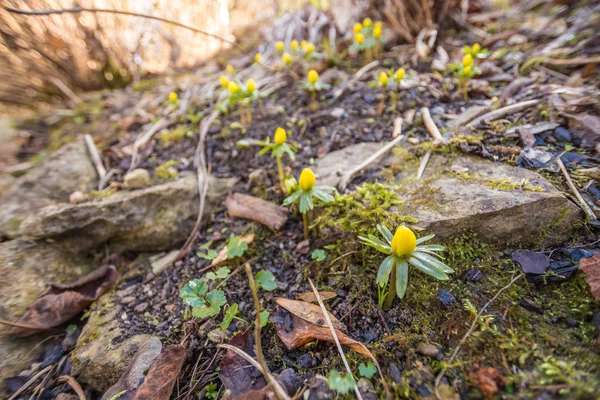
<point>488,380</point>
<point>288,379</point>
<point>309,312</point>
<point>236,374</point>
<point>161,378</point>
<point>310,297</point>
<point>591,268</point>
<point>259,210</point>
<point>222,256</point>
<point>59,303</point>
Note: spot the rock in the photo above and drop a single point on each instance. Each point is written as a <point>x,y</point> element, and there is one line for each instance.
<point>100,358</point>
<point>366,389</point>
<point>562,134</point>
<point>337,112</point>
<point>578,254</point>
<point>156,218</point>
<point>318,389</point>
<point>304,361</point>
<point>395,374</point>
<point>160,264</point>
<point>535,158</point>
<point>64,172</point>
<point>474,275</point>
<point>532,263</point>
<point>77,197</point>
<point>501,204</point>
<point>136,179</point>
<point>429,350</point>
<point>330,168</point>
<point>25,269</point>
<point>6,182</point>
<point>446,298</point>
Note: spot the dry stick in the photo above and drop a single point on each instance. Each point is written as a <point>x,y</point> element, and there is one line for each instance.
<point>279,392</point>
<point>95,156</point>
<point>573,188</point>
<point>142,140</point>
<point>30,382</point>
<point>431,126</point>
<point>423,165</point>
<point>468,333</point>
<point>24,326</point>
<point>348,175</point>
<point>69,380</point>
<point>335,337</point>
<point>65,89</point>
<point>501,112</point>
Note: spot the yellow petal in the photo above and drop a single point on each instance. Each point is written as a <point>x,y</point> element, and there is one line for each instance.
<point>279,46</point>
<point>233,87</point>
<point>251,86</point>
<point>404,241</point>
<point>287,59</point>
<point>224,81</point>
<point>280,136</point>
<point>400,74</point>
<point>307,179</point>
<point>467,60</point>
<point>359,38</point>
<point>476,47</point>
<point>257,57</point>
<point>367,22</point>
<point>383,78</point>
<point>313,76</point>
<point>172,97</point>
<point>357,27</point>
<point>229,68</point>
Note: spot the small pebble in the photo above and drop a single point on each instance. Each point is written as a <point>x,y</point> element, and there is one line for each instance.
<point>304,361</point>
<point>446,298</point>
<point>596,320</point>
<point>395,374</point>
<point>572,323</point>
<point>562,135</point>
<point>127,300</point>
<point>474,275</point>
<point>578,254</point>
<point>140,308</point>
<point>369,98</point>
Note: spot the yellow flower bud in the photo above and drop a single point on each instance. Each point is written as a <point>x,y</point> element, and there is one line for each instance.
<point>383,79</point>
<point>229,68</point>
<point>257,57</point>
<point>359,38</point>
<point>233,87</point>
<point>377,29</point>
<point>307,179</point>
<point>400,74</point>
<point>467,60</point>
<point>467,70</point>
<point>404,241</point>
<point>287,59</point>
<point>294,44</point>
<point>378,24</point>
<point>357,27</point>
<point>224,81</point>
<point>280,136</point>
<point>172,97</point>
<point>367,22</point>
<point>313,76</point>
<point>309,48</point>
<point>279,46</point>
<point>475,49</point>
<point>251,86</point>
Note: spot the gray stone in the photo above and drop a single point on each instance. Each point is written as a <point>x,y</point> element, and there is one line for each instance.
<point>162,262</point>
<point>330,168</point>
<point>138,178</point>
<point>6,182</point>
<point>25,269</point>
<point>156,218</point>
<point>64,172</point>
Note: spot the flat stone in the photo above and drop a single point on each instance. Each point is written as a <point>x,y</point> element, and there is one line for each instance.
<point>330,168</point>
<point>152,219</point>
<point>67,170</point>
<point>138,178</point>
<point>6,182</point>
<point>25,268</point>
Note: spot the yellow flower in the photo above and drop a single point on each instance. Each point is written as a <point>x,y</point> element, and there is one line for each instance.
<point>229,68</point>
<point>383,79</point>
<point>233,87</point>
<point>467,60</point>
<point>224,81</point>
<point>294,45</point>
<point>467,70</point>
<point>251,86</point>
<point>172,97</point>
<point>287,59</point>
<point>404,241</point>
<point>280,136</point>
<point>303,44</point>
<point>307,179</point>
<point>257,57</point>
<point>279,46</point>
<point>377,29</point>
<point>367,22</point>
<point>357,27</point>
<point>400,74</point>
<point>475,48</point>
<point>313,76</point>
<point>359,38</point>
<point>309,48</point>
<point>378,24</point>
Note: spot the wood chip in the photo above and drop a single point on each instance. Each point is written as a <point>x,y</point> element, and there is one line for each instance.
<point>259,210</point>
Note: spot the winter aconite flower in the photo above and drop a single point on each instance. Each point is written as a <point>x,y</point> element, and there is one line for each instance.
<point>279,46</point>
<point>233,87</point>
<point>313,86</point>
<point>307,179</point>
<point>383,79</point>
<point>367,22</point>
<point>278,148</point>
<point>280,136</point>
<point>173,97</point>
<point>287,58</point>
<point>359,38</point>
<point>257,57</point>
<point>294,45</point>
<point>377,30</point>
<point>403,248</point>
<point>357,27</point>
<point>400,75</point>
<point>313,76</point>
<point>467,60</point>
<point>224,82</point>
<point>250,86</point>
<point>229,68</point>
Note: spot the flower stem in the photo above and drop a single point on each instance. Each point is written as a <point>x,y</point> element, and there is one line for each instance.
<point>313,100</point>
<point>242,114</point>
<point>281,174</point>
<point>305,223</point>
<point>389,299</point>
<point>249,113</point>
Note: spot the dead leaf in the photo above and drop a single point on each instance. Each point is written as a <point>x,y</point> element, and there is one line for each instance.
<point>259,210</point>
<point>236,374</point>
<point>222,256</point>
<point>161,378</point>
<point>591,268</point>
<point>488,380</point>
<point>310,312</point>
<point>310,297</point>
<point>288,379</point>
<point>59,303</point>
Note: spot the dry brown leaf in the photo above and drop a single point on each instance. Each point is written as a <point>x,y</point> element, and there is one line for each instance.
<point>222,256</point>
<point>161,378</point>
<point>237,374</point>
<point>309,312</point>
<point>259,210</point>
<point>591,268</point>
<point>310,297</point>
<point>59,303</point>
<point>488,380</point>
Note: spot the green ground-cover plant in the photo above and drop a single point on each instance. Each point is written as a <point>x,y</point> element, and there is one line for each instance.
<point>467,68</point>
<point>342,384</point>
<point>403,248</point>
<point>278,148</point>
<point>312,85</point>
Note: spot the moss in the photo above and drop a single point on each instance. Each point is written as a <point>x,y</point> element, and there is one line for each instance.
<point>166,170</point>
<point>173,136</point>
<point>144,84</point>
<point>550,228</point>
<point>97,194</point>
<point>497,184</point>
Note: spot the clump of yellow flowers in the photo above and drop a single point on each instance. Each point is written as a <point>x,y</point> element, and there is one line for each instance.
<point>368,38</point>
<point>301,50</point>
<point>467,69</point>
<point>304,193</point>
<point>384,81</point>
<point>403,248</point>
<point>241,94</point>
<point>312,85</point>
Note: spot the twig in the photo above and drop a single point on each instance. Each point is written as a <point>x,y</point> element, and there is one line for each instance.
<point>69,380</point>
<point>348,175</point>
<point>65,89</point>
<point>431,126</point>
<point>143,139</point>
<point>95,156</point>
<point>573,188</point>
<point>24,326</point>
<point>501,112</point>
<point>335,337</point>
<point>423,165</point>
<point>30,382</point>
<point>468,333</point>
<point>359,74</point>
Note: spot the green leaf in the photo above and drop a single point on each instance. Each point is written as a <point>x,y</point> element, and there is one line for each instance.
<point>211,391</point>
<point>428,269</point>
<point>433,261</point>
<point>424,239</point>
<point>322,195</point>
<point>210,255</point>
<point>235,247</point>
<point>231,312</point>
<point>318,255</point>
<point>383,275</point>
<point>387,234</point>
<point>292,198</point>
<point>431,247</point>
<point>193,292</point>
<point>71,328</point>
<point>221,274</point>
<point>401,277</point>
<point>340,383</point>
<point>264,318</point>
<point>384,249</point>
<point>306,203</point>
<point>266,280</point>
<point>215,299</point>
<point>367,371</point>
